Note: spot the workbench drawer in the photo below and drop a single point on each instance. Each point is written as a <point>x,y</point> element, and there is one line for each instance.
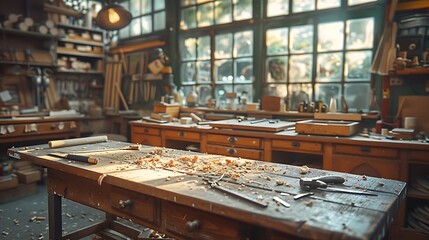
<point>190,223</point>
<point>235,152</point>
<point>366,151</point>
<point>182,135</point>
<point>146,130</point>
<point>296,146</point>
<point>146,140</point>
<point>234,140</point>
<point>130,204</point>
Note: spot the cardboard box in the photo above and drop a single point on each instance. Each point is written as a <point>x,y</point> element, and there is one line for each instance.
<point>172,109</point>
<point>29,176</point>
<point>8,181</point>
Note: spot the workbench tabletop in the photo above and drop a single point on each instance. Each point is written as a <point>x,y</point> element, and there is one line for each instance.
<point>179,176</point>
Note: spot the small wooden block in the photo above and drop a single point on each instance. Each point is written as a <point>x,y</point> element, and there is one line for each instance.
<point>7,182</point>
<point>271,103</point>
<point>28,176</point>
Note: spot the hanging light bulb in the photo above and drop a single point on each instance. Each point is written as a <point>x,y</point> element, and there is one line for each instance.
<point>113,17</point>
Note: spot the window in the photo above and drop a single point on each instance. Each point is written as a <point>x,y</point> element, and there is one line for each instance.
<point>148,17</point>
<point>312,50</point>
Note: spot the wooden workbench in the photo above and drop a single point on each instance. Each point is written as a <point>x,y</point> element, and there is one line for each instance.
<point>163,189</point>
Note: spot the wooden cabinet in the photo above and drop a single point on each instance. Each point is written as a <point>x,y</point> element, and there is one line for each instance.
<point>366,160</point>
<point>146,136</point>
<point>235,146</point>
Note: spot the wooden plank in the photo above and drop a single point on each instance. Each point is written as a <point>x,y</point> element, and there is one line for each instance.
<point>138,46</point>
<point>256,125</point>
<point>21,191</point>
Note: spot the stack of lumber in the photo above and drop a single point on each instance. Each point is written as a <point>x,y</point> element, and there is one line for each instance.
<point>112,86</point>
<point>51,95</point>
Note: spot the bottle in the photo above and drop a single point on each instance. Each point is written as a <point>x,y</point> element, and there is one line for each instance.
<point>179,97</point>
<point>333,105</point>
<point>191,99</point>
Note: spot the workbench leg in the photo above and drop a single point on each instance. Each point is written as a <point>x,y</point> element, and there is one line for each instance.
<point>54,213</point>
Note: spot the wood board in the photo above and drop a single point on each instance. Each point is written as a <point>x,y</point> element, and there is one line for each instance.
<point>324,127</point>
<point>266,125</point>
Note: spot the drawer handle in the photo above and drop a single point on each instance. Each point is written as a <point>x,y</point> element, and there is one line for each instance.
<point>146,130</point>
<point>232,139</point>
<point>193,225</point>
<point>181,134</point>
<point>232,151</point>
<point>296,144</point>
<point>126,203</point>
<point>365,149</point>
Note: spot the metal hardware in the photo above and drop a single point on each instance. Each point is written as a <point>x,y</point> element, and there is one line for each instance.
<point>232,139</point>
<point>232,151</point>
<point>126,203</point>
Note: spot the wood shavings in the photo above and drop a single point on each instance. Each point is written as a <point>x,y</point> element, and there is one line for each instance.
<point>5,233</point>
<point>364,177</point>
<point>101,178</point>
<point>304,169</point>
<point>309,203</point>
<point>381,184</point>
<point>279,182</point>
<point>132,147</point>
<point>260,198</point>
<point>168,178</point>
<point>37,218</point>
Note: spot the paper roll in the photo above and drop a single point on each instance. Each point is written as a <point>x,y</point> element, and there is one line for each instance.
<point>76,141</point>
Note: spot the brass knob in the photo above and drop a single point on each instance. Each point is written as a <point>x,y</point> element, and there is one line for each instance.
<point>193,225</point>
<point>232,151</point>
<point>232,139</point>
<point>296,144</point>
<point>125,203</point>
<point>365,149</point>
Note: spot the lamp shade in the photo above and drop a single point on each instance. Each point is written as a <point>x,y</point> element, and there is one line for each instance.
<point>113,17</point>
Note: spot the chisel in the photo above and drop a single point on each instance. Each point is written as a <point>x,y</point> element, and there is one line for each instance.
<point>74,157</point>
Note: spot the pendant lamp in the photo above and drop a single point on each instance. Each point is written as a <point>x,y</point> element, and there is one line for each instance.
<point>113,17</point>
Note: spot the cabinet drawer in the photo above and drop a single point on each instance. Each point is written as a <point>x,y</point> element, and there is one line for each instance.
<point>235,152</point>
<point>146,140</point>
<point>146,130</point>
<point>136,205</point>
<point>190,223</point>
<point>234,140</point>
<point>296,145</point>
<point>182,135</point>
<point>366,151</point>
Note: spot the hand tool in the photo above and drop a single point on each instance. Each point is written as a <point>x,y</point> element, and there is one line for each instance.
<point>321,183</point>
<point>281,201</point>
<point>258,121</point>
<point>215,184</point>
<point>302,195</point>
<point>74,157</point>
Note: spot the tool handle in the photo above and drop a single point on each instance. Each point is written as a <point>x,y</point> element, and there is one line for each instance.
<point>81,158</point>
<point>331,179</point>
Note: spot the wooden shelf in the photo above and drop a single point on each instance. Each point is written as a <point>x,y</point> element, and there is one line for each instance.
<point>411,71</point>
<point>79,72</point>
<point>86,42</point>
<point>28,63</point>
<point>80,54</point>
<point>26,33</point>
<point>79,27</point>
<point>416,194</point>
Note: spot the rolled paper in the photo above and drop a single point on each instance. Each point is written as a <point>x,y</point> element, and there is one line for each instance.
<point>76,141</point>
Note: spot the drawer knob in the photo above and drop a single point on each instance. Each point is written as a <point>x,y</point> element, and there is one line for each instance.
<point>193,225</point>
<point>181,134</point>
<point>232,151</point>
<point>296,144</point>
<point>125,203</point>
<point>232,139</point>
<point>365,149</point>
<point>146,130</point>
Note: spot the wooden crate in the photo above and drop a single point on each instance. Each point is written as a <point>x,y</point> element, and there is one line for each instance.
<point>172,109</point>
<point>322,127</point>
<point>28,176</point>
<point>9,181</point>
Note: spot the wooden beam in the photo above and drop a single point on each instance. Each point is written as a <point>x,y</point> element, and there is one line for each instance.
<point>137,47</point>
<point>61,10</point>
<point>412,5</point>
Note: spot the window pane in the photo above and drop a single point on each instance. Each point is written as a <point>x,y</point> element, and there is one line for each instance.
<point>136,28</point>
<point>244,90</point>
<point>279,90</point>
<point>223,12</point>
<point>146,24</point>
<point>204,48</point>
<point>300,68</point>
<point>205,15</point>
<point>204,94</point>
<point>330,36</point>
<point>146,7</point>
<point>358,65</point>
<point>329,67</point>
<point>244,68</point>
<point>224,71</point>
<point>188,2</point>
<point>324,4</point>
<point>324,93</point>
<point>203,70</point>
<point>357,96</point>
<point>277,41</point>
<point>159,19</point>
<point>299,93</point>
<point>220,94</point>
<point>243,44</point>
<point>360,33</point>
<point>301,39</point>
<point>189,49</point>
<point>243,9</point>
<point>135,7</point>
<point>356,2</point>
<point>124,32</point>
<point>277,7</point>
<point>303,5</point>
<point>159,5</point>
<point>203,1</point>
<point>223,46</point>
<point>277,69</point>
<point>188,18</point>
<point>188,72</point>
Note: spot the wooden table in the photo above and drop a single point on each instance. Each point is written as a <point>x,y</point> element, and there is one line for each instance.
<point>163,189</point>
